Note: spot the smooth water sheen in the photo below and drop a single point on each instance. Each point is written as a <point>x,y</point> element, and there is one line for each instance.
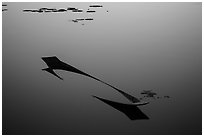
<point>133,46</point>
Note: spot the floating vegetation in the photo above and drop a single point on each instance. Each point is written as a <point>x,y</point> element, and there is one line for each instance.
<point>4,9</point>
<point>80,19</point>
<point>62,10</point>
<point>45,10</point>
<point>77,10</point>
<point>90,11</point>
<point>3,6</point>
<point>71,8</point>
<point>96,6</point>
<point>89,19</point>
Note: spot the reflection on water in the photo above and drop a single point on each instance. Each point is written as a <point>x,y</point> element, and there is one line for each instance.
<point>130,110</point>
<point>55,64</point>
<point>135,46</point>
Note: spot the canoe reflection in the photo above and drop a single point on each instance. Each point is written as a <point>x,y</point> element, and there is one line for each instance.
<point>130,110</point>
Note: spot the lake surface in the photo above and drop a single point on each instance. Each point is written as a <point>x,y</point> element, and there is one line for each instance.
<point>133,46</point>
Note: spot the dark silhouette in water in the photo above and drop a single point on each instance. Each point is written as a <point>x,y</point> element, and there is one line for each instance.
<point>55,10</point>
<point>52,72</point>
<point>71,8</point>
<point>75,21</point>
<point>27,10</point>
<point>130,110</point>
<point>166,97</point>
<point>153,95</point>
<point>77,10</point>
<point>88,19</point>
<point>4,5</point>
<point>34,10</point>
<point>51,9</point>
<point>54,63</point>
<point>4,9</point>
<point>148,93</point>
<point>40,11</point>
<point>96,6</point>
<point>43,8</point>
<point>62,10</point>
<point>79,19</point>
<point>90,11</point>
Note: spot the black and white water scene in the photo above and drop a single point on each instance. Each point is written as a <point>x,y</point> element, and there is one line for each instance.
<point>105,68</point>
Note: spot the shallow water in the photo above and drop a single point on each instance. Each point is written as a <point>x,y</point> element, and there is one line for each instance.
<point>133,46</point>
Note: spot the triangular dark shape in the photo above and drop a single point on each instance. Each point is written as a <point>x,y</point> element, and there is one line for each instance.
<point>52,72</point>
<point>130,110</point>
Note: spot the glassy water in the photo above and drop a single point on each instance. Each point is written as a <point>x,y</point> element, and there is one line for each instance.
<point>133,46</point>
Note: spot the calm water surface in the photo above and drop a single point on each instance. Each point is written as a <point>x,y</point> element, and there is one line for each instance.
<point>133,46</point>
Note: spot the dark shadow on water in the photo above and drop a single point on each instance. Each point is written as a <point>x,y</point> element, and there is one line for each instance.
<point>54,63</point>
<point>130,110</point>
<point>49,70</point>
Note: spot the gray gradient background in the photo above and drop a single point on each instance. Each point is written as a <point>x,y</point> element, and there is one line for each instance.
<point>135,46</point>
